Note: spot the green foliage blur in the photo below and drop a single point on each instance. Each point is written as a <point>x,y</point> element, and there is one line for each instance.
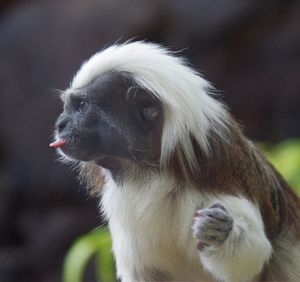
<point>97,243</point>
<point>286,158</point>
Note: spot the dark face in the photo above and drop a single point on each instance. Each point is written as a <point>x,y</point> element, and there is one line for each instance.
<point>111,119</point>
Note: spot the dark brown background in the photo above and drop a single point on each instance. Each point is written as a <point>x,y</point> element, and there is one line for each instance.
<point>249,49</point>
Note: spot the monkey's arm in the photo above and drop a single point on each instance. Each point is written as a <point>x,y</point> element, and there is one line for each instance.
<point>231,240</point>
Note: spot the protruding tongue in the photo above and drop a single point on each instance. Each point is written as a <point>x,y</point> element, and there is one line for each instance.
<point>58,143</point>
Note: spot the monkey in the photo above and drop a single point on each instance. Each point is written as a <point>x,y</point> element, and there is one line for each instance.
<point>186,195</point>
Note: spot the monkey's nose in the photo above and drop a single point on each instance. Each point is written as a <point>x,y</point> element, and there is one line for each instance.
<point>62,124</point>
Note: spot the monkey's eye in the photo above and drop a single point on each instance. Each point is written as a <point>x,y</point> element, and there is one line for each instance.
<point>79,104</point>
<point>83,105</point>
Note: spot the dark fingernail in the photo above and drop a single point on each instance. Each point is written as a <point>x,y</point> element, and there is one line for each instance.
<point>218,205</point>
<point>201,245</point>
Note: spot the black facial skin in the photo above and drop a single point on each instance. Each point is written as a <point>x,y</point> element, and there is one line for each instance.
<point>110,120</point>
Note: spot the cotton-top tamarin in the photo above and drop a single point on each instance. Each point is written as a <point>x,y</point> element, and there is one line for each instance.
<point>187,196</point>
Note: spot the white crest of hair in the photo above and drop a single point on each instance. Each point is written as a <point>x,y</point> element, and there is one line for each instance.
<point>189,109</point>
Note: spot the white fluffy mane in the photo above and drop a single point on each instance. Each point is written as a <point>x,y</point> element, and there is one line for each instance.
<point>189,110</point>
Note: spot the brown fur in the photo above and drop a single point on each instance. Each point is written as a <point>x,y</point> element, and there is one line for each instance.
<point>91,177</point>
<point>237,167</point>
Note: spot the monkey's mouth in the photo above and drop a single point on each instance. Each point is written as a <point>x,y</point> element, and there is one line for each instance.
<point>58,143</point>
<point>80,148</point>
<point>87,145</point>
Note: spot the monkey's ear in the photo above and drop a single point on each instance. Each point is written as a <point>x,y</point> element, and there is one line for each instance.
<point>151,112</point>
<point>148,113</point>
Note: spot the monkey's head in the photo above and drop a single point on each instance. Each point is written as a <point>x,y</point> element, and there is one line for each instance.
<point>109,119</point>
<point>139,103</point>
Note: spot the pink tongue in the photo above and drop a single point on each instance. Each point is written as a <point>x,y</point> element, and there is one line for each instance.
<point>58,143</point>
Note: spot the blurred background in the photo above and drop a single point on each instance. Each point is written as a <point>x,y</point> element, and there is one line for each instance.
<point>249,49</point>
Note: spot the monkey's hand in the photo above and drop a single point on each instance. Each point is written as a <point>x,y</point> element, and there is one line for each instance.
<point>211,226</point>
<point>231,240</point>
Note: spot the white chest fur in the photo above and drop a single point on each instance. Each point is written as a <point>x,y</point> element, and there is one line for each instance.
<point>151,230</point>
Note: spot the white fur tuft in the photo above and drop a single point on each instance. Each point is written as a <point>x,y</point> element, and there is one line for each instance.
<point>189,110</point>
